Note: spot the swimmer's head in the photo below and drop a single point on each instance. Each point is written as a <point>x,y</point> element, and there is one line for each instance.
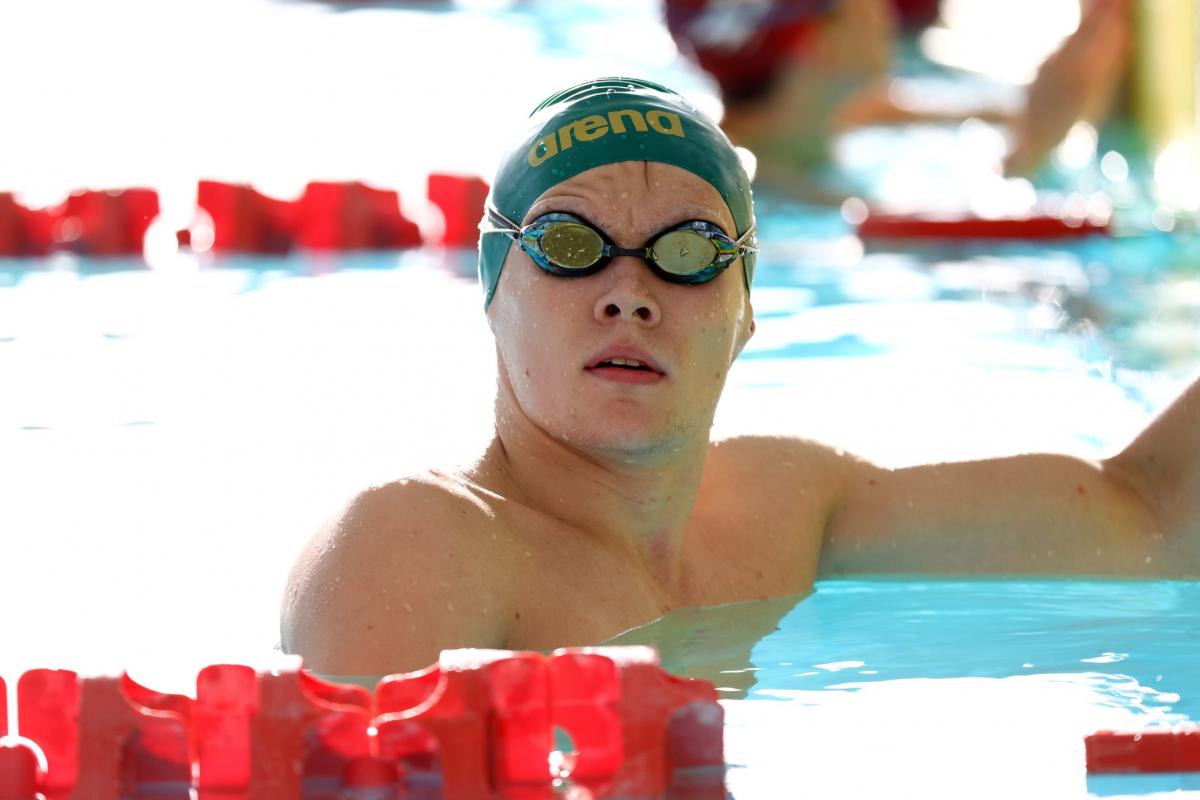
<point>607,121</point>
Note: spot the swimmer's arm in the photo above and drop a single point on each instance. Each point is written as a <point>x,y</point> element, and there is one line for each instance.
<point>876,105</point>
<point>1080,81</point>
<point>386,587</point>
<point>1136,514</point>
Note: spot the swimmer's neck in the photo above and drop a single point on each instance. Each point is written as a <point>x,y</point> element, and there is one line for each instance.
<point>640,502</point>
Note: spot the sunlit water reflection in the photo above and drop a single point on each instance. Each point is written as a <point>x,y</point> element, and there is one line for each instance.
<point>986,685</point>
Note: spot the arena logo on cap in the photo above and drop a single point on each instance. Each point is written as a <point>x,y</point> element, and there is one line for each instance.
<point>595,126</point>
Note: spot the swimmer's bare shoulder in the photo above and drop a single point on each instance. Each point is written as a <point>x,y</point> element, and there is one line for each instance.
<point>398,576</point>
<point>801,473</point>
<point>781,494</point>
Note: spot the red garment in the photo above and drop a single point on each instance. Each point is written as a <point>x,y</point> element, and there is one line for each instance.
<point>744,43</point>
<point>913,15</point>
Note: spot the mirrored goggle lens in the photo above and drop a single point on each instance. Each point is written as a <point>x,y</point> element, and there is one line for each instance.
<point>572,246</point>
<point>684,252</point>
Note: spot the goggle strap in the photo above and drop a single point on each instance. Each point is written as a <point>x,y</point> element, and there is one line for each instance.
<point>749,234</point>
<point>494,217</point>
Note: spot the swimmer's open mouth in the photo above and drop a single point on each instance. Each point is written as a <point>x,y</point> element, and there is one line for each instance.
<point>625,362</point>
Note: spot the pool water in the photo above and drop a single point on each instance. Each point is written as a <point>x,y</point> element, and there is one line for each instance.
<point>867,687</point>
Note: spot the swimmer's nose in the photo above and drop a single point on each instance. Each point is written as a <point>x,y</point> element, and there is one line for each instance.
<point>627,296</point>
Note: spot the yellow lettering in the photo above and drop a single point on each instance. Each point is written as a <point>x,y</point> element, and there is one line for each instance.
<point>595,126</point>
<point>544,148</point>
<point>564,136</point>
<point>592,127</point>
<point>656,117</point>
<point>634,116</point>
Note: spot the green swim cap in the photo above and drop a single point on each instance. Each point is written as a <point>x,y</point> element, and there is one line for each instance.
<point>602,122</point>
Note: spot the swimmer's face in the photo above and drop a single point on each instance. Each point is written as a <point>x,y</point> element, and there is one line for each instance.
<point>552,333</point>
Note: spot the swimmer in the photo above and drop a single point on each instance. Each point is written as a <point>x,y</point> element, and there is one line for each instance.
<point>794,74</point>
<point>616,264</point>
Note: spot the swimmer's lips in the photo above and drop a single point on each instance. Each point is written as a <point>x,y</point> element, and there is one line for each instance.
<point>625,367</point>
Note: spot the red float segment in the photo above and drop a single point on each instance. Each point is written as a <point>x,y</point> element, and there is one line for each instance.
<point>105,223</point>
<point>521,729</point>
<point>20,772</point>
<point>23,232</point>
<point>244,220</point>
<point>1111,752</point>
<point>328,216</point>
<point>105,738</point>
<point>226,703</point>
<point>479,715</point>
<point>696,752</point>
<point>352,216</point>
<point>653,709</point>
<point>48,709</point>
<point>401,739</point>
<point>305,722</point>
<point>586,688</point>
<point>479,724</point>
<point>1036,227</point>
<point>461,199</point>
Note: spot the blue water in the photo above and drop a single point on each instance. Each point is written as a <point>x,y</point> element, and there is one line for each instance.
<point>1135,643</point>
<point>941,681</point>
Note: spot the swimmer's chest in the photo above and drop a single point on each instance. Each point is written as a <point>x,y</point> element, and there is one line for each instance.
<point>569,590</point>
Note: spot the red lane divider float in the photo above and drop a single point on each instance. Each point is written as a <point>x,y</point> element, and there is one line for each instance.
<point>352,216</point>
<point>243,220</point>
<point>106,223</point>
<point>93,223</point>
<point>1158,760</point>
<point>478,724</point>
<point>328,216</point>
<point>1033,227</point>
<point>460,199</point>
<point>23,231</point>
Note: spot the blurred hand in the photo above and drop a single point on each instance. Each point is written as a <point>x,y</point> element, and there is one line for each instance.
<point>1078,82</point>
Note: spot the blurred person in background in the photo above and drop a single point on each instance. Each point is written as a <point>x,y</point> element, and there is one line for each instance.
<point>793,74</point>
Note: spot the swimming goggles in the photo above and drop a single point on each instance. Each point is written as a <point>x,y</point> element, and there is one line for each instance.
<point>568,246</point>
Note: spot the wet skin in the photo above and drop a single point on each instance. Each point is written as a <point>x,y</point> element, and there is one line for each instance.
<point>601,504</point>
